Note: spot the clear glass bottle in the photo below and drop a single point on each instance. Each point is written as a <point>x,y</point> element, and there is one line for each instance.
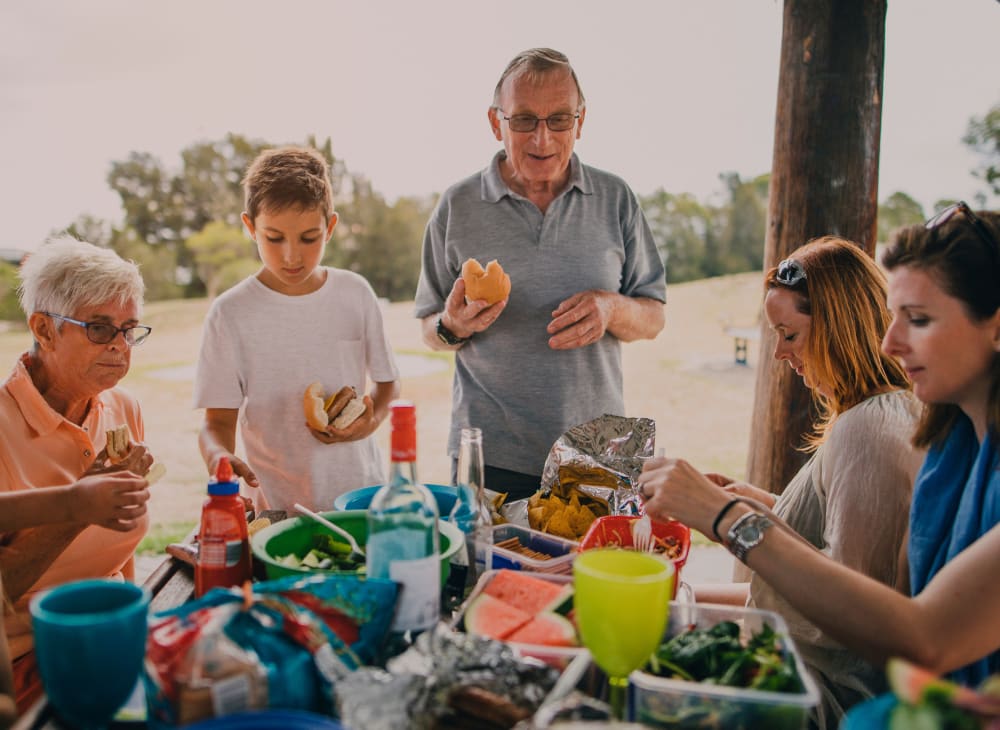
<point>471,512</point>
<point>403,541</point>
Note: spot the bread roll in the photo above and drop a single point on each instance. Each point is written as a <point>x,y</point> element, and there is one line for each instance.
<point>491,283</point>
<point>340,409</point>
<point>117,446</point>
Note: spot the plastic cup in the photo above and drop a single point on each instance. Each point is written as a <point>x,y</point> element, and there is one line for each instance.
<point>90,640</point>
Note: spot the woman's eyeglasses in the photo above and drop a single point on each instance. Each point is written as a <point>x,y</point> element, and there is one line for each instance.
<point>790,273</point>
<point>962,207</point>
<point>101,334</point>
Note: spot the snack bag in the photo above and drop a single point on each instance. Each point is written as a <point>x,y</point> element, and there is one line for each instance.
<point>285,644</point>
<point>592,470</point>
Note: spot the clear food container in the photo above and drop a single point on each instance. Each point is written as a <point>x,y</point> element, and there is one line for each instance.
<point>661,702</point>
<point>563,551</point>
<point>556,656</point>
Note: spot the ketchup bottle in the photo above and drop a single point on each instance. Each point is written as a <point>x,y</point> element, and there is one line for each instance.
<point>223,544</point>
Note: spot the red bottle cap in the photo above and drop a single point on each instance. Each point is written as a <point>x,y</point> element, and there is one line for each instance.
<point>224,471</point>
<point>403,442</point>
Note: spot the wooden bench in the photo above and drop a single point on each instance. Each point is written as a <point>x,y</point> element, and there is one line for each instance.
<point>742,336</point>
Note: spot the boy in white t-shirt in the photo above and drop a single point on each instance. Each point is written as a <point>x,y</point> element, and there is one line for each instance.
<point>291,324</point>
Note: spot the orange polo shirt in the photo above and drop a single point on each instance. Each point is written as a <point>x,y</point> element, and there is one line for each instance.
<point>39,448</point>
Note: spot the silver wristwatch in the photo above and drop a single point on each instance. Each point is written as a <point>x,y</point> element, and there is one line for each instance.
<point>746,533</point>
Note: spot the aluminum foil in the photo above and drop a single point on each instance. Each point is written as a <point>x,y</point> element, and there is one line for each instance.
<point>602,459</point>
<point>413,693</point>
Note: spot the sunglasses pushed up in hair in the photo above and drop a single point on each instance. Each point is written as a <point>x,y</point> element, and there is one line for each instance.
<point>790,273</point>
<point>977,224</point>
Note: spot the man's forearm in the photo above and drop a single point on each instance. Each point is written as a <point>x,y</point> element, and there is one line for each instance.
<point>636,318</point>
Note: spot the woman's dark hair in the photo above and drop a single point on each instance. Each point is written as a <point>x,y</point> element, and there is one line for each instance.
<point>964,260</point>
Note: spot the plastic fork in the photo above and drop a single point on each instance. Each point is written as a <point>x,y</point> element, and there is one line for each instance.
<point>356,552</point>
<point>642,534</point>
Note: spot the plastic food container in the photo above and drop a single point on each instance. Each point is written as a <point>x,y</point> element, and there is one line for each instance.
<point>563,551</point>
<point>616,531</point>
<point>556,656</point>
<point>661,702</point>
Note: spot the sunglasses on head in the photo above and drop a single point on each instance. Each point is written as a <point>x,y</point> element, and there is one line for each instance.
<point>790,272</point>
<point>962,207</point>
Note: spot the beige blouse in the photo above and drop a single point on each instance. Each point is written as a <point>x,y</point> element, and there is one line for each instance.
<point>851,500</point>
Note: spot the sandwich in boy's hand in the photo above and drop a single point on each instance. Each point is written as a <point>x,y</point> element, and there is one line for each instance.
<point>339,410</point>
<point>118,444</point>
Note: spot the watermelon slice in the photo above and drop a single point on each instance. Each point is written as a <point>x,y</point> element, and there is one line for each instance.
<point>491,617</point>
<point>914,684</point>
<point>530,594</point>
<point>547,629</point>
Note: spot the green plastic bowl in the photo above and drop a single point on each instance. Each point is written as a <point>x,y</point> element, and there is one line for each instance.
<point>295,535</point>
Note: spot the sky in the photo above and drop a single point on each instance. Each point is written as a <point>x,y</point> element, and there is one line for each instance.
<point>678,91</point>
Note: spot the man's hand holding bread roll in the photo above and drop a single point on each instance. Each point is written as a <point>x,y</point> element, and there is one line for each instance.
<point>477,299</point>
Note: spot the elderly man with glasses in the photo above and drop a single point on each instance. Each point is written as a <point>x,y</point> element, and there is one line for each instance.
<point>584,270</point>
<point>83,305</point>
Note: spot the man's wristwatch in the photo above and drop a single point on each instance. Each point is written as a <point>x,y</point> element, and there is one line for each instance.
<point>447,336</point>
<point>747,533</point>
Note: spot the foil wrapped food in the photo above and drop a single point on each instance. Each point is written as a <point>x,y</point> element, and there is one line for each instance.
<point>441,674</point>
<point>601,460</point>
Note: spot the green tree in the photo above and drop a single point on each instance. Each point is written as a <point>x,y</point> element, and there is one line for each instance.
<point>380,241</point>
<point>983,137</point>
<point>896,211</point>
<point>679,224</point>
<point>10,309</point>
<point>167,207</point>
<point>745,224</point>
<point>223,256</point>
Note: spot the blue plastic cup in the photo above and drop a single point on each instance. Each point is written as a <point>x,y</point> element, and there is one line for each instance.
<point>90,640</point>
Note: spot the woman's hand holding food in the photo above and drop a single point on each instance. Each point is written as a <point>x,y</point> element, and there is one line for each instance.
<point>673,489</point>
<point>115,500</point>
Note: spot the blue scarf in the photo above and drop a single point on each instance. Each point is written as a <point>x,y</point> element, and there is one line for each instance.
<point>956,500</point>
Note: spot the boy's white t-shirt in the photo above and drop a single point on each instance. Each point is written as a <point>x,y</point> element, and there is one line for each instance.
<point>260,349</point>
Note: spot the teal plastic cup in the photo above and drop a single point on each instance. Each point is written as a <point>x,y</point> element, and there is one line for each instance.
<point>90,640</point>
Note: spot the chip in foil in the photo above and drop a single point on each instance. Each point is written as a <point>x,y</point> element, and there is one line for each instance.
<point>600,461</point>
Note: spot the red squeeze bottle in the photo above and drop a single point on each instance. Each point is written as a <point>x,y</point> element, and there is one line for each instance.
<point>223,544</point>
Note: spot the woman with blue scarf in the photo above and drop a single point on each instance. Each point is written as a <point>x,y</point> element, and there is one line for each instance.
<point>944,292</point>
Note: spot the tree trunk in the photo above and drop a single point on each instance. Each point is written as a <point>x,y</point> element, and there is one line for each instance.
<point>824,180</point>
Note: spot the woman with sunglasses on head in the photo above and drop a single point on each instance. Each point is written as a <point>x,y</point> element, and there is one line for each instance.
<point>83,305</point>
<point>826,309</point>
<point>944,292</point>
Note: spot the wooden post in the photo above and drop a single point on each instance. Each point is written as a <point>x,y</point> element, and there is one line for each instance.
<point>824,180</point>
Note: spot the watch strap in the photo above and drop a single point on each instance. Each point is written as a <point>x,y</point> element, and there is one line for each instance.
<point>446,335</point>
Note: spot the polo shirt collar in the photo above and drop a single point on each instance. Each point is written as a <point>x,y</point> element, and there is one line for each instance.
<point>494,188</point>
<point>38,414</point>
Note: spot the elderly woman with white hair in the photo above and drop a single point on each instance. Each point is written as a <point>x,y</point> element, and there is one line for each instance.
<point>83,305</point>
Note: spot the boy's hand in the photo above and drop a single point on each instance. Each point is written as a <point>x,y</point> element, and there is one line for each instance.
<point>115,500</point>
<point>362,427</point>
<point>240,468</point>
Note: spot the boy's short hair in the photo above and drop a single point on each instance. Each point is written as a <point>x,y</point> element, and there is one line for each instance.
<point>287,177</point>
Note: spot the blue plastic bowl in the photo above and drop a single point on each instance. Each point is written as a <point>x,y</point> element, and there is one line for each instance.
<point>361,498</point>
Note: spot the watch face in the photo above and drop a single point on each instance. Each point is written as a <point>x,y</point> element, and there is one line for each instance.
<point>751,532</point>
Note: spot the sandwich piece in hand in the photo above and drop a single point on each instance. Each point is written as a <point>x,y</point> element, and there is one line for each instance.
<point>339,410</point>
<point>118,444</point>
